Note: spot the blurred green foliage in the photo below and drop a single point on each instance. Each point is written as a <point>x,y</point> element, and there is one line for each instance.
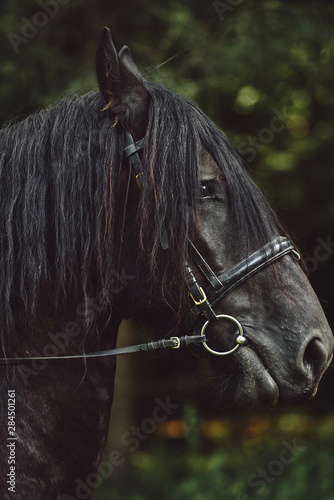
<point>288,458</point>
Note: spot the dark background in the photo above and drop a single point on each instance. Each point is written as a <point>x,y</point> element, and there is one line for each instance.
<point>244,63</point>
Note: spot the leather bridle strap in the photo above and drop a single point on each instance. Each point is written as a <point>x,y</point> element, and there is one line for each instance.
<point>130,152</point>
<point>173,342</point>
<point>199,297</point>
<point>237,274</point>
<point>203,266</point>
<point>242,271</point>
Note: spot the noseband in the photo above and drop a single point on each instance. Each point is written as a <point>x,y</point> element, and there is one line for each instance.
<point>204,299</point>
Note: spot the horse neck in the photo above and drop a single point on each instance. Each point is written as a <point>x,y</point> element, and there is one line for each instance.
<point>64,410</point>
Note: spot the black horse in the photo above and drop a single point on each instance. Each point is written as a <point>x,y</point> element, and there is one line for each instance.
<point>118,204</point>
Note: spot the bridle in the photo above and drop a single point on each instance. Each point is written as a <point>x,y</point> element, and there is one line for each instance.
<point>218,287</point>
<point>204,299</point>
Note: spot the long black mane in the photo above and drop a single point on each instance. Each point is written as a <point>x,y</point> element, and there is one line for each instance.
<point>58,176</point>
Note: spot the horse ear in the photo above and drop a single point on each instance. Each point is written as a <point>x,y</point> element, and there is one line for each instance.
<point>126,58</point>
<point>121,85</point>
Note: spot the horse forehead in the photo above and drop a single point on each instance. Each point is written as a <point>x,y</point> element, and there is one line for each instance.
<point>208,167</point>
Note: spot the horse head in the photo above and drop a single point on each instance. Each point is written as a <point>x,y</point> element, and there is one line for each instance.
<point>194,220</point>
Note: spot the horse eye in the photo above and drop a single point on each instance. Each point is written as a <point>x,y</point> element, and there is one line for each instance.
<point>207,191</point>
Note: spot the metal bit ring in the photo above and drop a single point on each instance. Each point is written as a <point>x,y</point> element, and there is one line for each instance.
<point>241,340</point>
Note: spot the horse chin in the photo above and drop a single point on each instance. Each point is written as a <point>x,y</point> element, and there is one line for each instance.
<point>256,388</point>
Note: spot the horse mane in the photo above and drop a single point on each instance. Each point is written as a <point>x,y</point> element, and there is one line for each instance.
<point>56,169</point>
<point>58,172</point>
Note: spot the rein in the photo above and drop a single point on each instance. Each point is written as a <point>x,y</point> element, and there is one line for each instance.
<point>173,342</point>
<point>204,299</point>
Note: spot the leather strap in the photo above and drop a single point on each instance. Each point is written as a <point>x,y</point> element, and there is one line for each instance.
<point>199,297</point>
<point>174,342</point>
<point>131,153</point>
<point>239,273</point>
<point>132,147</point>
<point>263,257</point>
<point>204,266</point>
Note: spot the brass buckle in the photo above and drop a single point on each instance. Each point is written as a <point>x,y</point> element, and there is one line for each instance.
<point>178,342</point>
<point>204,299</point>
<point>138,177</point>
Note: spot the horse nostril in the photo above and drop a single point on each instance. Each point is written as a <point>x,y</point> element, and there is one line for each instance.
<point>314,357</point>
